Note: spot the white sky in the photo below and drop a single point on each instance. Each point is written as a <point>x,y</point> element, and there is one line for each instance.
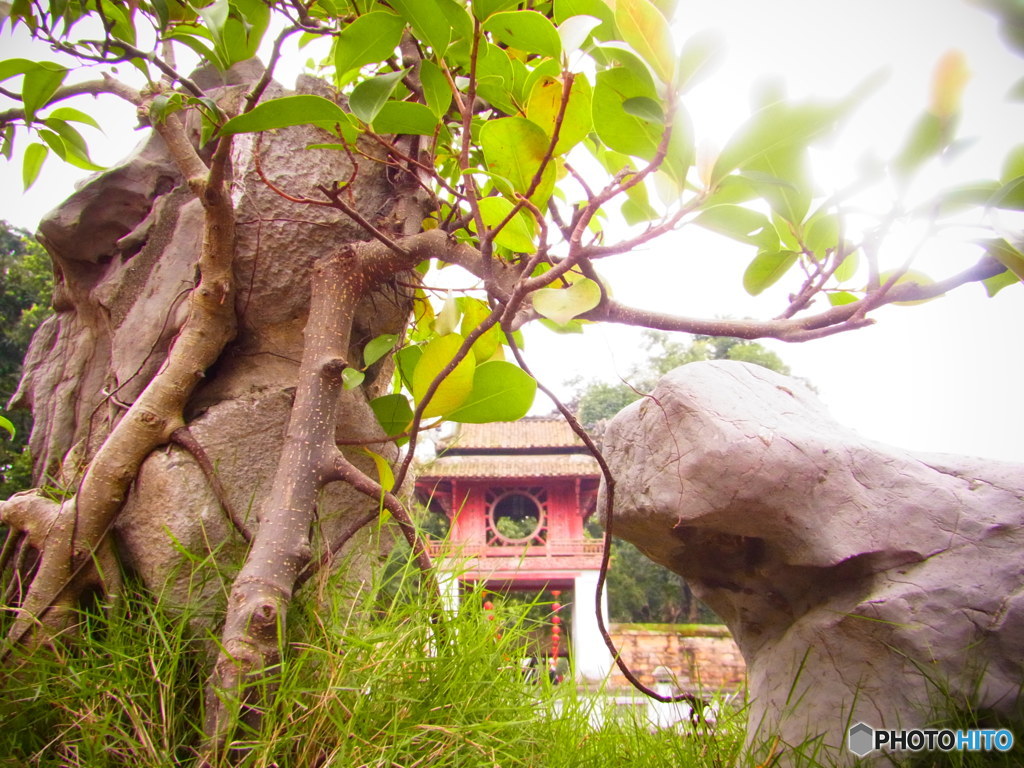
<point>945,376</point>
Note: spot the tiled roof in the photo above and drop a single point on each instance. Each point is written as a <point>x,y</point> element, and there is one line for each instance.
<point>512,466</point>
<point>532,433</point>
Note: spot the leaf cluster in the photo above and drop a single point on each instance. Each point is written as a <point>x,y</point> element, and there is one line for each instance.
<point>536,130</point>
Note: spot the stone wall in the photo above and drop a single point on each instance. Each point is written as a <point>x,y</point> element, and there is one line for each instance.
<point>702,656</point>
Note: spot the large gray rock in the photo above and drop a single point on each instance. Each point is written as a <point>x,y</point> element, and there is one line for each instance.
<point>861,582</point>
<point>124,248</point>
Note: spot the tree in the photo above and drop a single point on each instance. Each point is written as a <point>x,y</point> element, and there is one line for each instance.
<point>598,401</point>
<point>495,135</point>
<point>638,589</point>
<point>25,288</point>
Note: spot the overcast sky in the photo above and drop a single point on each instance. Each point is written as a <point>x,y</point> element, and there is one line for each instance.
<point>945,376</point>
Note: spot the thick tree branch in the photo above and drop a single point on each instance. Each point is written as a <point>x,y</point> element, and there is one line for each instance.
<point>833,320</point>
<point>108,85</point>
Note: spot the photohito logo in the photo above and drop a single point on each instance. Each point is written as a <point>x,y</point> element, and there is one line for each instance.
<point>862,739</point>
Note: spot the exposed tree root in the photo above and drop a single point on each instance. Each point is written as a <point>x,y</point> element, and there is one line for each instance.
<point>74,552</point>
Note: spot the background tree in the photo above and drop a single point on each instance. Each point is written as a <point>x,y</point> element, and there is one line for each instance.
<point>495,135</point>
<point>26,282</point>
<point>598,401</point>
<point>638,589</point>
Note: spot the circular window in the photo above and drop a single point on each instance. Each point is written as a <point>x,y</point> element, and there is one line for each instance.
<point>516,518</point>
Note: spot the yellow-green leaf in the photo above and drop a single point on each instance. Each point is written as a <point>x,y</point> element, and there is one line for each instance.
<point>546,101</point>
<point>384,472</point>
<point>393,413</point>
<point>455,388</point>
<point>766,269</point>
<point>563,304</point>
<point>516,148</point>
<point>527,31</point>
<point>370,38</point>
<point>646,30</point>
<point>501,392</point>
<point>518,234</point>
<point>35,155</point>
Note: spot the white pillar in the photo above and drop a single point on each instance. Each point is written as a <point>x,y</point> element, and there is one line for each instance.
<point>448,586</point>
<point>591,657</point>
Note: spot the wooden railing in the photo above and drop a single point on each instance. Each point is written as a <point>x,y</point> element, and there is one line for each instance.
<point>550,549</point>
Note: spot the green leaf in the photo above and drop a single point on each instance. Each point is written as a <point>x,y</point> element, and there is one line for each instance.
<point>1016,92</point>
<point>385,475</point>
<point>6,424</point>
<point>527,31</point>
<point>701,54</point>
<point>618,129</point>
<point>996,283</point>
<point>455,388</point>
<point>848,268</point>
<point>648,33</point>
<point>215,15</point>
<point>371,38</point>
<point>370,95</point>
<point>482,9</point>
<point>68,144</point>
<point>376,348</point>
<point>822,234</point>
<point>766,269</point>
<point>495,77</point>
<point>777,127</point>
<point>736,222</point>
<point>839,298</point>
<point>436,89</point>
<point>1010,196</point>
<point>783,180</point>
<point>193,37</point>
<point>564,304</point>
<point>38,87</point>
<point>927,139</point>
<point>301,109</point>
<point>393,413</point>
<point>574,32</point>
<point>1005,254</point>
<point>518,234</point>
<point>352,378</point>
<point>428,20</point>
<point>12,67</point>
<point>405,117</point>
<point>1013,165</point>
<point>35,155</point>
<point>960,198</point>
<point>447,318</point>
<point>516,148</point>
<point>644,108</point>
<point>637,211</point>
<point>474,312</point>
<point>566,9</point>
<point>545,102</point>
<point>407,358</point>
<point>501,392</point>
<point>120,21</point>
<point>911,276</point>
<point>73,115</point>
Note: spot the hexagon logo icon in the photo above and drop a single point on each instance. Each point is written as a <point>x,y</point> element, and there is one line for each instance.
<point>861,739</point>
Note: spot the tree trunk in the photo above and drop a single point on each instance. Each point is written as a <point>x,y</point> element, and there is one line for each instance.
<point>133,354</point>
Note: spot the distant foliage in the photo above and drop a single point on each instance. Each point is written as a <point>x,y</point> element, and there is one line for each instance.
<point>599,401</point>
<point>26,285</point>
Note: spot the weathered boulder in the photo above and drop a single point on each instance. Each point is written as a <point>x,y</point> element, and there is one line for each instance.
<point>861,582</point>
<point>124,248</point>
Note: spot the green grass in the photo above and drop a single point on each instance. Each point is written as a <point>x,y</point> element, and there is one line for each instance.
<point>366,682</point>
